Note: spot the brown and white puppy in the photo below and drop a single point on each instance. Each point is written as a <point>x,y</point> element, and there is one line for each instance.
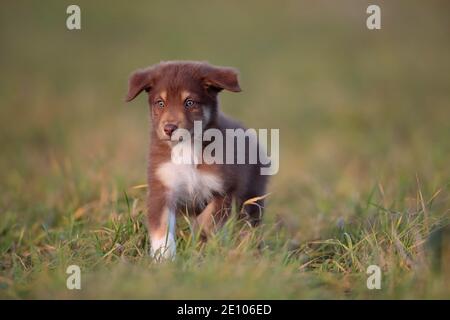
<point>179,93</point>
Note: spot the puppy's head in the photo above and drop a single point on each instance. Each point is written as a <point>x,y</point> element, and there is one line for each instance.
<point>180,93</point>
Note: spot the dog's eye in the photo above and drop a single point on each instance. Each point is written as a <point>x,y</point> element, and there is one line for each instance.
<point>160,103</point>
<point>189,103</point>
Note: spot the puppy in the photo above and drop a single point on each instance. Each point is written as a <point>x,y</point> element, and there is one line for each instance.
<point>182,94</point>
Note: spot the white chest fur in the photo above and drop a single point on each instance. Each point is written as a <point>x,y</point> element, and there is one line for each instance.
<point>185,182</point>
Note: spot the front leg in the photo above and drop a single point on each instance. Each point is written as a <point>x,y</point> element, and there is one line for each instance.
<point>214,215</point>
<point>161,224</point>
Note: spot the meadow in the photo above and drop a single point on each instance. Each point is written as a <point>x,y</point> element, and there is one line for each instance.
<point>364,173</point>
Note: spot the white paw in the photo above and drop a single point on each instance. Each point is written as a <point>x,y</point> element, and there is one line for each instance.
<point>164,248</point>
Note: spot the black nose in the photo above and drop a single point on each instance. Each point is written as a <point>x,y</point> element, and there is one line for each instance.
<point>170,128</point>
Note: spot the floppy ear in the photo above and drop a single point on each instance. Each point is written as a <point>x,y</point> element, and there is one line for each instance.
<point>222,78</point>
<point>139,80</point>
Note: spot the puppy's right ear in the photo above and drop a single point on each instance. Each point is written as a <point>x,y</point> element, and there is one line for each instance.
<point>140,80</point>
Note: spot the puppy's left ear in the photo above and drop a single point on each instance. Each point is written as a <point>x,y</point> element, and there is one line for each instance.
<point>221,78</point>
<point>140,80</point>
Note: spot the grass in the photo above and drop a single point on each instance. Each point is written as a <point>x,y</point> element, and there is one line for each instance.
<point>364,176</point>
<point>238,262</point>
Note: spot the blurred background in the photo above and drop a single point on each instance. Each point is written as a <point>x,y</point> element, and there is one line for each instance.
<point>357,110</point>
